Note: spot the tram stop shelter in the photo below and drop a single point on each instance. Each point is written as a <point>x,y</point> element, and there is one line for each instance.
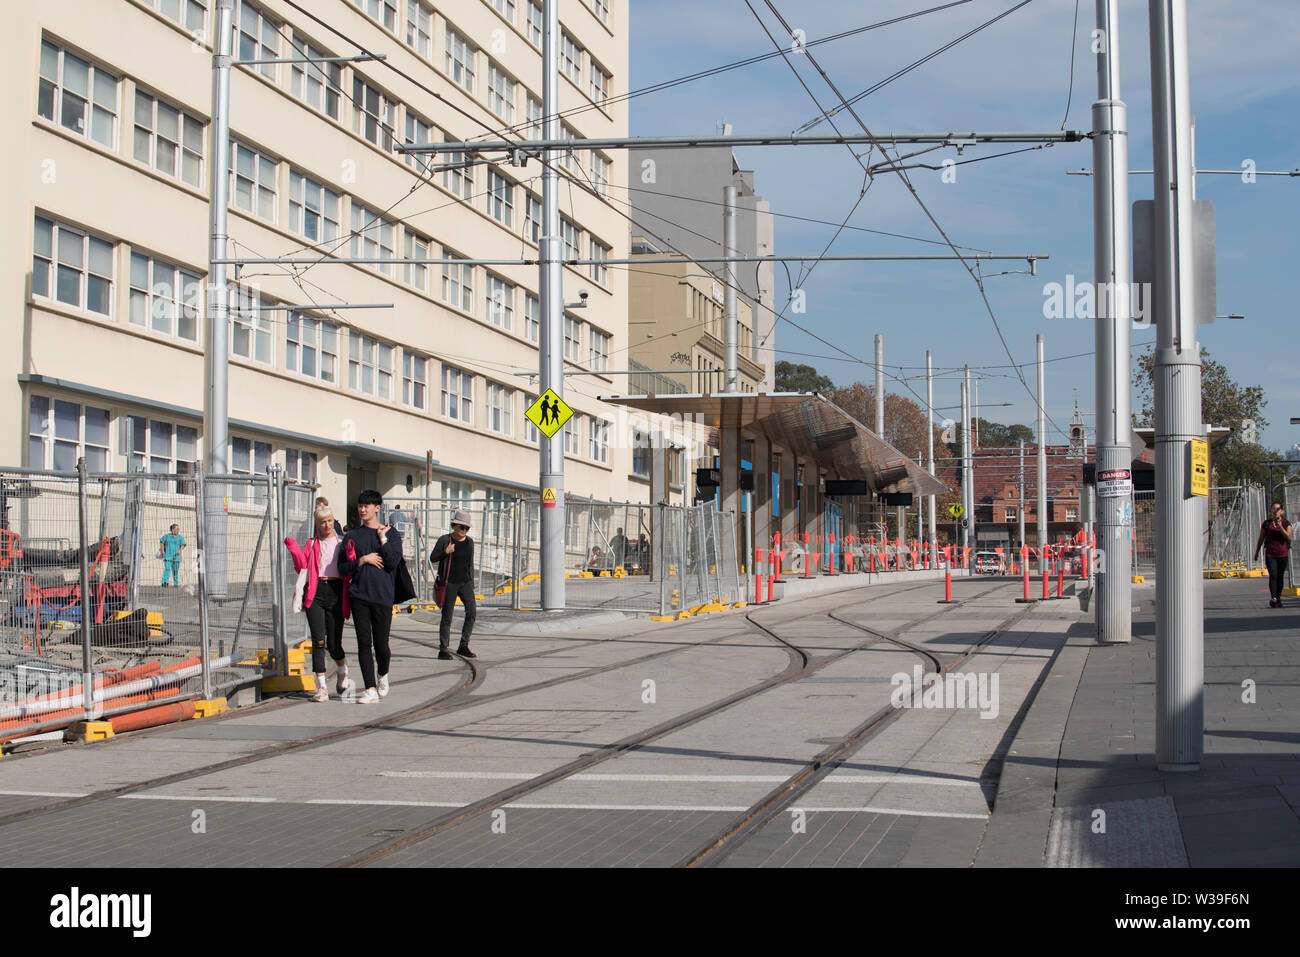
<point>783,447</point>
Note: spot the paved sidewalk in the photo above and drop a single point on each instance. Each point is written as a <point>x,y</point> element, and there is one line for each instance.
<point>1084,758</point>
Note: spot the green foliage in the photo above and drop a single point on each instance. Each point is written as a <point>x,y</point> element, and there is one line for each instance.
<point>801,378</point>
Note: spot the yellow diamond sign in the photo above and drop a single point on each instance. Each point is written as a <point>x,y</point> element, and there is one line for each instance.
<point>548,413</point>
<point>955,510</point>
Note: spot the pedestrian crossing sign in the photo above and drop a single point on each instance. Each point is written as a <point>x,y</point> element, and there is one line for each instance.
<point>955,510</point>
<point>548,413</point>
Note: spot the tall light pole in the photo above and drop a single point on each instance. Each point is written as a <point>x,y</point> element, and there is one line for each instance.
<point>929,440</point>
<point>1022,493</point>
<point>965,464</point>
<point>880,386</point>
<point>1110,208</point>
<point>550,288</point>
<point>1180,516</point>
<point>730,308</point>
<point>1042,464</point>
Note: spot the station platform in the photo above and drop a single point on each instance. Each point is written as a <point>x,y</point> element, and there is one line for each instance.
<point>807,732</point>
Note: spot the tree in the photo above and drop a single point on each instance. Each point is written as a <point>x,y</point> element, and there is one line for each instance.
<point>1224,402</point>
<point>994,435</point>
<point>801,378</point>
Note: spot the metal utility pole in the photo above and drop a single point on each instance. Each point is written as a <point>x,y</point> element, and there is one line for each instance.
<point>1110,215</point>
<point>1042,464</point>
<point>929,441</point>
<point>729,295</point>
<point>880,385</point>
<point>216,369</point>
<point>975,413</point>
<point>968,457</point>
<point>551,355</point>
<point>965,464</point>
<point>1022,493</point>
<point>1180,516</point>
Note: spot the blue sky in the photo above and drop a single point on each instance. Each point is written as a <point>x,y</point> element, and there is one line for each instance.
<point>1015,75</point>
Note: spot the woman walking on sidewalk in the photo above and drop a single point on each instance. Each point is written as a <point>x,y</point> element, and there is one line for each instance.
<point>371,555</point>
<point>456,551</point>
<point>1275,537</point>
<point>324,596</point>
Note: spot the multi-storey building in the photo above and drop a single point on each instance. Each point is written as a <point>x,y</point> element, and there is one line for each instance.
<point>108,136</point>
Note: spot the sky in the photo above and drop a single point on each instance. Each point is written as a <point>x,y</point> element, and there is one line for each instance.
<point>1014,75</point>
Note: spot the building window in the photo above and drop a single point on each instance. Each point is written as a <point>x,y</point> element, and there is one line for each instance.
<point>569,157</point>
<point>249,457</point>
<point>530,431</point>
<point>253,181</point>
<point>311,347</point>
<point>459,180</point>
<point>458,395</point>
<point>414,380</point>
<point>164,298</point>
<point>419,28</point>
<point>600,172</point>
<point>1071,514</point>
<point>191,14</point>
<point>501,198</point>
<point>300,466</point>
<point>599,89</point>
<point>501,93</point>
<point>457,494</point>
<point>72,267</point>
<point>599,252</point>
<point>370,366</point>
<point>570,233</point>
<point>77,95</point>
<point>381,11</point>
<point>319,85</point>
<point>601,9</point>
<point>506,8</point>
<point>641,453</point>
<point>168,139</point>
<point>457,283</point>
<point>250,326</point>
<point>572,339</point>
<point>416,274</point>
<point>532,317</point>
<point>374,116</point>
<point>598,350</point>
<point>59,432</point>
<point>373,238</point>
<point>573,436</point>
<point>570,58</point>
<point>418,133</point>
<point>500,302</point>
<point>500,403</point>
<point>256,38</point>
<point>532,217</point>
<point>161,448</point>
<point>1011,514</point>
<point>598,439</point>
<point>534,107</point>
<point>313,209</point>
<point>534,30</point>
<point>460,60</point>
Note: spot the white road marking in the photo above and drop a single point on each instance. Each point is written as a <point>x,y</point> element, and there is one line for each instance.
<point>837,777</point>
<point>894,810</point>
<point>198,798</point>
<point>45,794</point>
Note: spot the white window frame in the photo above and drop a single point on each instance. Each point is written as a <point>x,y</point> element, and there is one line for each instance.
<point>300,466</point>
<point>314,200</point>
<point>319,338</point>
<point>601,9</point>
<point>259,457</point>
<point>459,181</point>
<point>642,454</point>
<point>500,408</point>
<point>506,8</point>
<point>154,143</point>
<point>532,217</point>
<point>459,63</point>
<point>415,380</point>
<point>415,246</point>
<point>598,88</point>
<point>500,302</point>
<point>49,258</point>
<point>164,297</point>
<point>531,433</point>
<point>598,439</point>
<point>601,170</point>
<point>184,17</point>
<point>598,344</point>
<point>252,323</point>
<point>373,237</point>
<point>100,108</point>
<point>419,28</point>
<point>458,280</point>
<point>383,12</point>
<point>366,354</point>
<point>533,106</point>
<point>573,436</point>
<point>262,179</point>
<point>533,29</point>
<point>46,432</point>
<point>419,132</point>
<point>599,251</point>
<point>571,236</point>
<point>501,92</point>
<point>572,342</point>
<point>570,58</point>
<point>147,454</point>
<point>457,395</point>
<point>378,126</point>
<point>262,44</point>
<point>532,317</point>
<point>319,85</point>
<point>501,198</point>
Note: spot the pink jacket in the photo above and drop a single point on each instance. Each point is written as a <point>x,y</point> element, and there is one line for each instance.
<point>308,557</point>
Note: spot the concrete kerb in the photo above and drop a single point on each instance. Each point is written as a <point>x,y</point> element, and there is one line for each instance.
<point>1021,821</point>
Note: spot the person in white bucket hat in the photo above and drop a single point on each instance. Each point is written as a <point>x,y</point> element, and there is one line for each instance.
<point>454,554</point>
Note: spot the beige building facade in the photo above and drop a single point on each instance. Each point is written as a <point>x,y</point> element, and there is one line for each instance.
<point>108,136</point>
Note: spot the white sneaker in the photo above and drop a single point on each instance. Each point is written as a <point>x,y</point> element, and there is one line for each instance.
<point>344,685</point>
<point>371,696</point>
<point>321,694</point>
<point>383,686</point>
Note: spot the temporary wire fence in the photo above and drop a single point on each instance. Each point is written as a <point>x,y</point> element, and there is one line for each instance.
<point>1235,514</point>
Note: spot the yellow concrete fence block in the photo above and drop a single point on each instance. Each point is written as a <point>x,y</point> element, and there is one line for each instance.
<point>90,731</point>
<point>277,683</point>
<point>206,709</point>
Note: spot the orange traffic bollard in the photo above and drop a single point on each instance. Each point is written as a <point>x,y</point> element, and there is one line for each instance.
<point>758,576</point>
<point>947,587</point>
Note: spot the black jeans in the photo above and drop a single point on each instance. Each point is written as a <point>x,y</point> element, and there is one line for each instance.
<point>373,623</point>
<point>1276,573</point>
<point>465,590</point>
<point>325,618</point>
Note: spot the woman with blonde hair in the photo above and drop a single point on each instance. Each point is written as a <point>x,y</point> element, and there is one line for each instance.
<point>322,591</point>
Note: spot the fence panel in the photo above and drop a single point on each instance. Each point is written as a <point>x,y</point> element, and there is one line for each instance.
<point>1144,530</point>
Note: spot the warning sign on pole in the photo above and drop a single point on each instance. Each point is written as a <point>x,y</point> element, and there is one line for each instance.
<point>548,498</point>
<point>1114,483</point>
<point>1200,470</point>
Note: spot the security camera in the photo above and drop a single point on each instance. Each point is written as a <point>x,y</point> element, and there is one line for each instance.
<point>582,294</point>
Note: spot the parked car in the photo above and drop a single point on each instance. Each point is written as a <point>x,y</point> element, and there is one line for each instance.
<point>989,563</point>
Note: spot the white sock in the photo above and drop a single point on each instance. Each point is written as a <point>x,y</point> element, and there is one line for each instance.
<point>320,681</point>
<point>343,669</point>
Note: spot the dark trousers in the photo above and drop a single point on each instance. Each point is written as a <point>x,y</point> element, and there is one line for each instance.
<point>1276,573</point>
<point>465,590</point>
<point>372,623</point>
<point>325,618</point>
